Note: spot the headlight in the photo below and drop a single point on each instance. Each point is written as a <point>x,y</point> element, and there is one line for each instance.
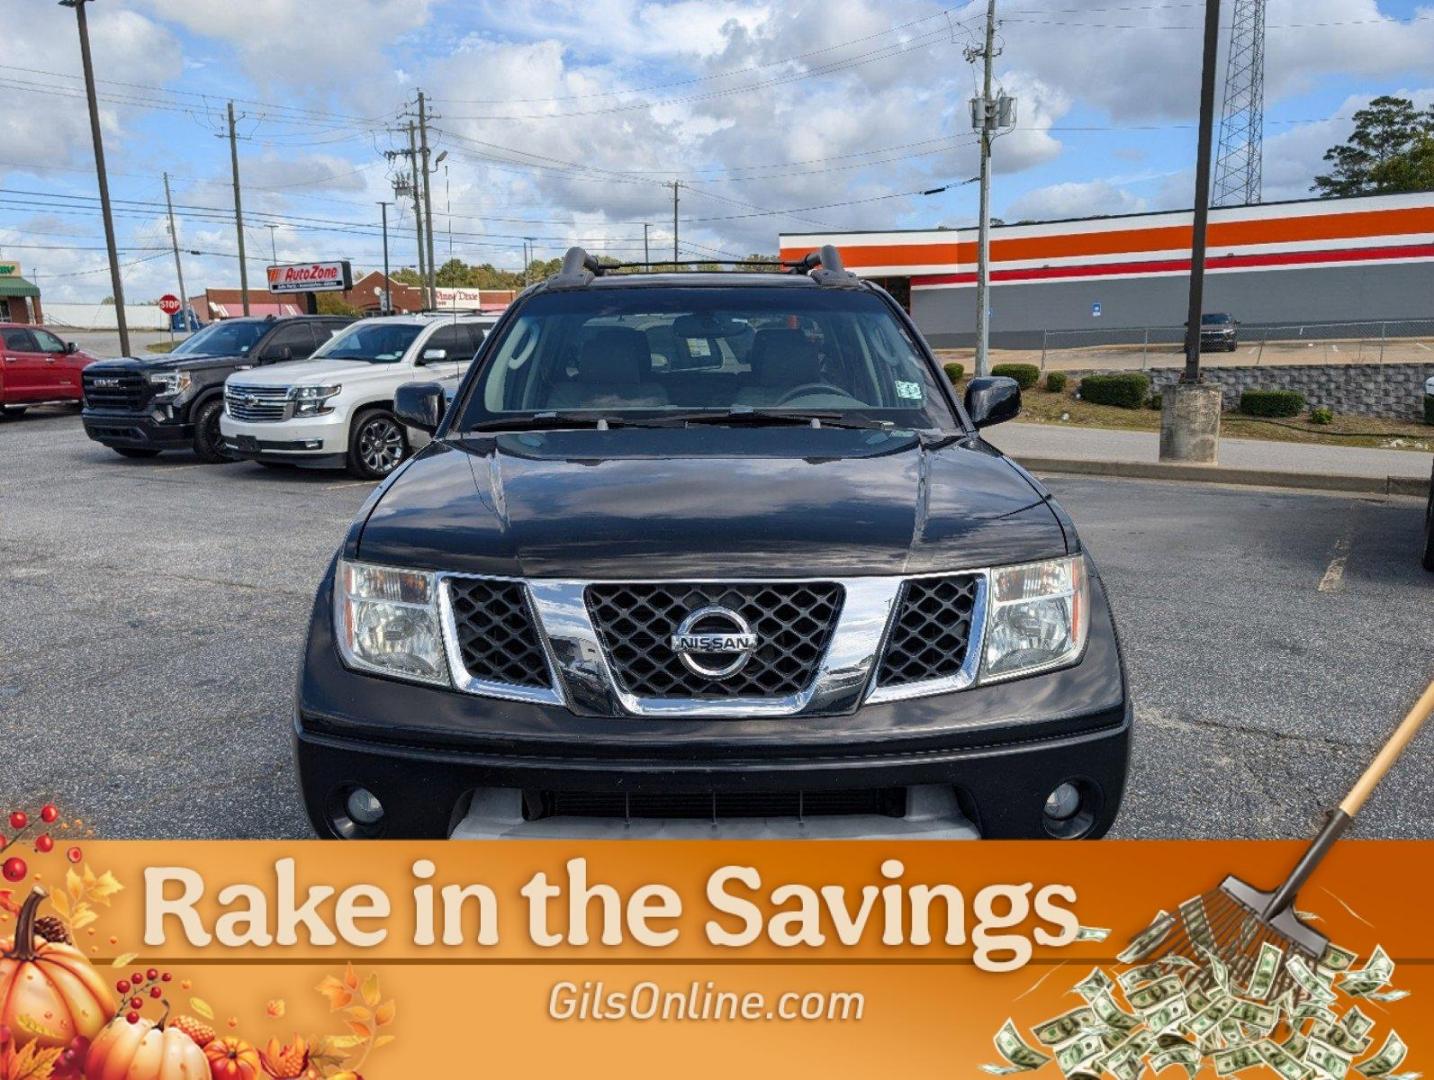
<point>387,621</point>
<point>1037,616</point>
<point>311,400</point>
<point>169,383</point>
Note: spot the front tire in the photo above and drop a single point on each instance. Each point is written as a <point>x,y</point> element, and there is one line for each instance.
<point>378,444</point>
<point>208,442</point>
<point>12,412</point>
<point>134,451</point>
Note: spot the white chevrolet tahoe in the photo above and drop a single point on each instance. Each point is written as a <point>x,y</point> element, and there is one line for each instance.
<point>335,409</point>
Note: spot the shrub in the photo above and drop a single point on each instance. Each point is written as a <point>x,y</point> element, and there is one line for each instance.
<point>1026,375</point>
<point>954,371</point>
<point>1056,382</point>
<point>1322,415</point>
<point>1272,403</point>
<point>1127,390</point>
<point>1156,402</point>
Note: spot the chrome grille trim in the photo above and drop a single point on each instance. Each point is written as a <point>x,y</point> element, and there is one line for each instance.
<point>258,404</point>
<point>975,646</point>
<point>453,647</point>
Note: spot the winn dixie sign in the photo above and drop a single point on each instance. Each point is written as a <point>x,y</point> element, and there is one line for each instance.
<point>311,277</point>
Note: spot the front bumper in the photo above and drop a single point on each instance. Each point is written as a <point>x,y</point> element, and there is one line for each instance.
<point>153,429</point>
<point>318,440</point>
<point>431,754</point>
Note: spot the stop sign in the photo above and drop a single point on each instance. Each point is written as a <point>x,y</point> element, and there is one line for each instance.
<point>169,304</point>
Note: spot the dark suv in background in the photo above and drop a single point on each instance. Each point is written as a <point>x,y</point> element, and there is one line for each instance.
<point>711,554</point>
<point>138,407</point>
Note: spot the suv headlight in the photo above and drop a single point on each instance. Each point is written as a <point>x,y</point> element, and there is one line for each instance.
<point>169,384</point>
<point>312,400</point>
<point>386,621</point>
<point>1037,617</point>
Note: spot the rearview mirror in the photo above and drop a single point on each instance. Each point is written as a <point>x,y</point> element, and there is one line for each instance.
<point>992,400</point>
<point>430,355</point>
<point>420,405</point>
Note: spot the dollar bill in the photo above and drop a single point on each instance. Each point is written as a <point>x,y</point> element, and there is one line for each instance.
<point>1236,1059</point>
<point>1336,959</point>
<point>1308,981</point>
<point>1296,1044</point>
<point>1020,1056</point>
<point>1219,973</point>
<point>1208,1019</point>
<point>1094,984</point>
<point>1313,1010</point>
<point>1187,1056</point>
<point>1391,1055</point>
<point>1064,1028</point>
<point>1340,1037</point>
<point>1387,995</point>
<point>1144,973</point>
<point>1267,966</point>
<point>1197,923</point>
<point>1149,939</point>
<point>1080,1052</point>
<point>1257,1015</point>
<point>1112,1015</point>
<point>1329,1060</point>
<point>1375,975</point>
<point>1151,996</point>
<point>1355,1022</point>
<point>1168,1015</point>
<point>1282,1061</point>
<point>1092,933</point>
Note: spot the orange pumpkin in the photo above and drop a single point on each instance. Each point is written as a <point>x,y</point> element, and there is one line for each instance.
<point>144,1051</point>
<point>232,1059</point>
<point>49,993</point>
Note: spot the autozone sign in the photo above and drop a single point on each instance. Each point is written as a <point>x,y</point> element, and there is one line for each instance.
<point>311,277</point>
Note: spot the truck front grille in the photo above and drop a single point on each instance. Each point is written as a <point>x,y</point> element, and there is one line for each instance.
<point>932,630</point>
<point>793,622</point>
<point>497,635</point>
<point>714,805</point>
<point>127,391</point>
<point>257,404</point>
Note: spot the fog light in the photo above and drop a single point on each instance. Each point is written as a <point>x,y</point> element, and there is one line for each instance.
<point>365,809</point>
<point>1061,804</point>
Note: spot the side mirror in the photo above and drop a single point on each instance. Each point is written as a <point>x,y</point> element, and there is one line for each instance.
<point>992,400</point>
<point>71,348</point>
<point>420,405</point>
<point>277,356</point>
<point>431,355</point>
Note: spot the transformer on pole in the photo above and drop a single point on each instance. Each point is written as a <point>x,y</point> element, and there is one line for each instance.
<point>1238,160</point>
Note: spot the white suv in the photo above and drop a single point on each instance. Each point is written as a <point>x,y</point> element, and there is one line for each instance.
<point>335,409</point>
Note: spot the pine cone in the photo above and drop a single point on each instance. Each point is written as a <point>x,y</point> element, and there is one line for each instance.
<point>52,929</point>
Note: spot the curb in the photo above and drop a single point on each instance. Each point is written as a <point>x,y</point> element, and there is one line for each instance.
<point>1216,474</point>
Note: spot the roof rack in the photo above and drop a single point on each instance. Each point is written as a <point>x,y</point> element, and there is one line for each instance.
<point>824,267</point>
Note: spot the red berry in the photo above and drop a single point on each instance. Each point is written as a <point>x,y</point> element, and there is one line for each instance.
<point>15,869</point>
<point>136,1003</point>
<point>74,854</point>
<point>122,986</point>
<point>49,813</point>
<point>166,977</point>
<point>137,978</point>
<point>155,992</point>
<point>19,819</point>
<point>152,974</point>
<point>44,845</point>
<point>132,1017</point>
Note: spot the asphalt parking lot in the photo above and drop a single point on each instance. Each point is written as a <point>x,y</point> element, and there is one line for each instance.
<point>153,613</point>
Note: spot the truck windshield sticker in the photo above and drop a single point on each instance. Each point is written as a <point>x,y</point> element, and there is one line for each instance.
<point>909,390</point>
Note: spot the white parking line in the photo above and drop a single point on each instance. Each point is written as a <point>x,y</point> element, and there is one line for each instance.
<point>1333,579</point>
<point>1334,347</point>
<point>1426,348</point>
<point>351,483</point>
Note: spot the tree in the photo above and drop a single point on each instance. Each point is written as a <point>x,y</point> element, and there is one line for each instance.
<point>1377,156</point>
<point>1411,171</point>
<point>330,303</point>
<point>454,274</point>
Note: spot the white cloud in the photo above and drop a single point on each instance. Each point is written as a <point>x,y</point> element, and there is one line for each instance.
<point>1077,199</point>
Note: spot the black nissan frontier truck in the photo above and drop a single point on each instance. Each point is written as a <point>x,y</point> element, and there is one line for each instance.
<point>710,554</point>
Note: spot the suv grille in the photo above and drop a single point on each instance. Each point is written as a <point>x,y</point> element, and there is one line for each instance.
<point>793,622</point>
<point>126,391</point>
<point>714,805</point>
<point>496,632</point>
<point>257,404</point>
<point>931,632</point>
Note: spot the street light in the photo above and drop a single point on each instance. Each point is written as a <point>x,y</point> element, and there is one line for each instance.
<point>116,285</point>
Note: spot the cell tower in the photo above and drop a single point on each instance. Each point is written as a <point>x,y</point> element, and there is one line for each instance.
<point>1242,123</point>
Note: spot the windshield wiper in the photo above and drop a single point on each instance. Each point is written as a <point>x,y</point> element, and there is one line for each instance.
<point>748,417</point>
<point>555,421</point>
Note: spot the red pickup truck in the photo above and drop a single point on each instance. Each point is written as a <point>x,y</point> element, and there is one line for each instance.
<point>37,366</point>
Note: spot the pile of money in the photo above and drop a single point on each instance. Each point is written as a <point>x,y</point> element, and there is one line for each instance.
<point>1301,1019</point>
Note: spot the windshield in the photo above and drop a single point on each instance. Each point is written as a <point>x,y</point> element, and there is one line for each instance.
<point>222,339</point>
<point>377,343</point>
<point>615,352</point>
<point>1215,320</point>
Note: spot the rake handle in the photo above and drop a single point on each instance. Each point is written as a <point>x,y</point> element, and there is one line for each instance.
<point>1341,819</point>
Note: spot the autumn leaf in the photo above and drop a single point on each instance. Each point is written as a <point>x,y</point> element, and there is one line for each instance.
<point>359,1013</point>
<point>363,1031</point>
<point>335,1043</point>
<point>337,993</point>
<point>74,885</point>
<point>276,1008</point>
<point>351,979</point>
<point>384,1014</point>
<point>34,1063</point>
<point>383,1040</point>
<point>202,1007</point>
<point>84,915</point>
<point>61,903</point>
<point>123,960</point>
<point>102,888</point>
<point>371,994</point>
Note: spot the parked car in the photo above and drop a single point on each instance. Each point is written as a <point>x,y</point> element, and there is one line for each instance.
<point>140,407</point>
<point>1219,331</point>
<point>711,554</point>
<point>336,411</point>
<point>36,367</point>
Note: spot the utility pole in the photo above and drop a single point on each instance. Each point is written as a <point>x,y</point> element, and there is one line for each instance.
<point>116,285</point>
<point>676,184</point>
<point>238,210</point>
<point>1202,194</point>
<point>387,289</point>
<point>273,245</point>
<point>178,266</point>
<point>983,248</point>
<point>646,258</point>
<point>427,201</point>
<point>418,217</point>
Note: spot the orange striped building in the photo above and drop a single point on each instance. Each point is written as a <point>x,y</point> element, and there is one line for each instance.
<point>1315,260</point>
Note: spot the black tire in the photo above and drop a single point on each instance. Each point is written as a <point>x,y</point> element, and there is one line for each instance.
<point>11,412</point>
<point>378,444</point>
<point>208,443</point>
<point>1428,560</point>
<point>134,451</point>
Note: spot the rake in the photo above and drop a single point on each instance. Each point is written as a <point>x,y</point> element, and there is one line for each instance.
<point>1235,920</point>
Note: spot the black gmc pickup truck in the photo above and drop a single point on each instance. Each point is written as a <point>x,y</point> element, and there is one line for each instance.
<point>711,554</point>
<point>138,407</point>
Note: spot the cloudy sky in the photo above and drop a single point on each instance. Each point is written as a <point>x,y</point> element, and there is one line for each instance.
<point>567,121</point>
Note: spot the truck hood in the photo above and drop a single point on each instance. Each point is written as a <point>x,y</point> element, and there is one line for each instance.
<point>321,372</point>
<point>706,502</point>
<point>171,363</point>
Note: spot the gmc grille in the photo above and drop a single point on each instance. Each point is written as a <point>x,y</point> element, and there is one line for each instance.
<point>793,622</point>
<point>932,630</point>
<point>257,404</point>
<point>127,391</point>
